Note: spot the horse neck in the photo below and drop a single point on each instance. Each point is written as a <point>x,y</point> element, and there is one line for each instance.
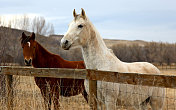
<point>96,51</point>
<point>95,42</point>
<point>42,57</point>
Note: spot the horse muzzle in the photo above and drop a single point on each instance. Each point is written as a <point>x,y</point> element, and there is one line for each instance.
<point>28,62</point>
<point>65,44</point>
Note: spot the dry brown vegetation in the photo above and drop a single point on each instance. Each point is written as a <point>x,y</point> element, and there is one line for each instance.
<point>154,52</point>
<point>27,96</point>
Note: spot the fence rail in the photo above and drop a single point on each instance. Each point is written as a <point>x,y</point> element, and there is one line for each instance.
<point>167,81</point>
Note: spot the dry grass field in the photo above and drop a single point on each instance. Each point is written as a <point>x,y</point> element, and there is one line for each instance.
<point>27,96</point>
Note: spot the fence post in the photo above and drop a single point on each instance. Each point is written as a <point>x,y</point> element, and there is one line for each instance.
<point>93,94</point>
<point>9,92</point>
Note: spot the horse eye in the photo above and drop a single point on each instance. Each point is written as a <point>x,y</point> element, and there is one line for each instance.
<point>80,26</point>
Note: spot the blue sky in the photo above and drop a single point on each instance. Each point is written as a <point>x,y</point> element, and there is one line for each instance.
<point>150,20</point>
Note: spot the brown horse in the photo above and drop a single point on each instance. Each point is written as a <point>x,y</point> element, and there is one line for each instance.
<point>39,57</point>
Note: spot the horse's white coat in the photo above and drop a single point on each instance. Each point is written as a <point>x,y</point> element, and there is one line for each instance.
<point>97,56</point>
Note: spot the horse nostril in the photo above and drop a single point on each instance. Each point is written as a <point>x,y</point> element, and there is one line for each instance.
<point>66,42</point>
<point>28,62</point>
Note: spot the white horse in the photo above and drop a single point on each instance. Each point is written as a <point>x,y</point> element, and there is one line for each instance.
<point>81,32</point>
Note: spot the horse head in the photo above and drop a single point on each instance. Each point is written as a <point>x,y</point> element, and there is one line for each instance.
<point>28,44</point>
<point>78,31</point>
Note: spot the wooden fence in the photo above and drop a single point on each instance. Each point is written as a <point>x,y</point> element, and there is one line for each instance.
<point>165,65</point>
<point>166,81</point>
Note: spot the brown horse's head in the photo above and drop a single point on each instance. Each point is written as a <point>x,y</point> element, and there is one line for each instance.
<point>28,44</point>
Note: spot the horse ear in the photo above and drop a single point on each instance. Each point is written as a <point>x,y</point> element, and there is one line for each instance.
<point>83,14</point>
<point>33,36</point>
<point>74,13</point>
<point>24,35</point>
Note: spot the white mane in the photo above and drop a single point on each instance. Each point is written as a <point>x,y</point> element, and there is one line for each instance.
<point>98,36</point>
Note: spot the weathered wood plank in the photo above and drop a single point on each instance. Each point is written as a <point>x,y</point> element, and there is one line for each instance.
<point>45,72</point>
<point>167,81</point>
<point>93,94</point>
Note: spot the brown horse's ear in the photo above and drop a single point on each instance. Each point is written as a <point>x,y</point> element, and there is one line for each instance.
<point>74,13</point>
<point>23,36</point>
<point>33,36</point>
<point>83,14</point>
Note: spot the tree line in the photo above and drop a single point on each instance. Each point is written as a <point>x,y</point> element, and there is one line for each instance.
<point>37,24</point>
<point>154,52</point>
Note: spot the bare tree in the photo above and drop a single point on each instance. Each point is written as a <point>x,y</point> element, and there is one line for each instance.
<point>2,22</point>
<point>40,26</point>
<point>24,22</point>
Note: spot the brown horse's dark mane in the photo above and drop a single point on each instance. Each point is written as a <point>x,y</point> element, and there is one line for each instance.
<point>42,49</point>
<point>23,41</point>
<point>43,58</point>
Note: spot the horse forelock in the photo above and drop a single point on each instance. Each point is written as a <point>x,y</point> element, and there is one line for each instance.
<point>78,16</point>
<point>24,41</point>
